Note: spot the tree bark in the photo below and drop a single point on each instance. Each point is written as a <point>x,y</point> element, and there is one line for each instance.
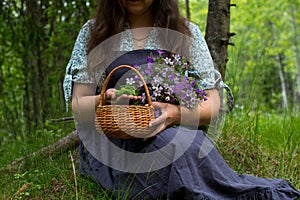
<point>187,9</point>
<point>282,82</point>
<point>297,64</point>
<point>218,32</point>
<point>280,71</point>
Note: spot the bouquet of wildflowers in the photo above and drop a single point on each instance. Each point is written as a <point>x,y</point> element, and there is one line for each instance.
<point>169,79</point>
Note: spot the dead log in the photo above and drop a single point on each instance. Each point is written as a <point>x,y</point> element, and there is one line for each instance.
<point>68,142</point>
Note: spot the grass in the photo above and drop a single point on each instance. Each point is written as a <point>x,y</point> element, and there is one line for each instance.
<point>265,145</point>
<point>260,144</point>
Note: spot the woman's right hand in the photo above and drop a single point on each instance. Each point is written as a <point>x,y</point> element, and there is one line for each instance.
<point>110,97</point>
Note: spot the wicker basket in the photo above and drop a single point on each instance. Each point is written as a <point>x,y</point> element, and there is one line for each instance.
<point>122,121</point>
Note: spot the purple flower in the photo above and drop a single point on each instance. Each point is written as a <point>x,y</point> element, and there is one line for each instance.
<point>150,59</point>
<point>171,77</point>
<point>177,89</point>
<point>157,79</point>
<point>183,96</point>
<point>170,83</point>
<point>164,73</point>
<point>193,83</point>
<point>160,52</point>
<point>202,93</point>
<point>149,70</point>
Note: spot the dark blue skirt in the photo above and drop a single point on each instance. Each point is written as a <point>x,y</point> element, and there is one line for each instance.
<point>199,173</point>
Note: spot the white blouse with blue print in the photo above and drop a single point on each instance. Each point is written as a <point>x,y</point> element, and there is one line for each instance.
<point>76,70</point>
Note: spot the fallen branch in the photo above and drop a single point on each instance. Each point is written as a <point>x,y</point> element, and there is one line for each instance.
<point>70,141</point>
<point>64,119</point>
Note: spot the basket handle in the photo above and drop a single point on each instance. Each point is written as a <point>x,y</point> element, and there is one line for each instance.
<point>110,75</point>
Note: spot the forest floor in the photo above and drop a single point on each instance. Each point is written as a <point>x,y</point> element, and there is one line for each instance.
<point>265,145</point>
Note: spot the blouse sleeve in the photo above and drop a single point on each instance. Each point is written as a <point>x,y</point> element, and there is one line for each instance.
<point>76,70</point>
<point>201,58</point>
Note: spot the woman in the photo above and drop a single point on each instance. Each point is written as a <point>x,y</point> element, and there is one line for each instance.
<point>174,162</point>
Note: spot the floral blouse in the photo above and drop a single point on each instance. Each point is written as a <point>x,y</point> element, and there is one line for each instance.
<point>76,70</point>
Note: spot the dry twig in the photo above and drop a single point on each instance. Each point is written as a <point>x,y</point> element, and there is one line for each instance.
<point>74,173</point>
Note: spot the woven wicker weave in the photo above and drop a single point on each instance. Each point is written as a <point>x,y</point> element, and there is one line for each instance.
<point>123,121</point>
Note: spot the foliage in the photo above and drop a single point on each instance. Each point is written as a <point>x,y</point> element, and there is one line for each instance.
<point>36,40</point>
<point>263,34</point>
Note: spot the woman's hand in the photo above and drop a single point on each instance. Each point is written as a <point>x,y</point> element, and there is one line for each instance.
<point>179,115</point>
<point>170,115</point>
<point>110,97</point>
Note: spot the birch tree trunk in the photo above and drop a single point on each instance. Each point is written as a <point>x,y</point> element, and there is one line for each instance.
<point>282,82</point>
<point>218,32</point>
<point>278,57</point>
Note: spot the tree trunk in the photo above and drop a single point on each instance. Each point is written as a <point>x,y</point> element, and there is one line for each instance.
<point>1,79</point>
<point>297,64</point>
<point>282,81</point>
<point>217,32</point>
<point>280,71</point>
<point>187,9</point>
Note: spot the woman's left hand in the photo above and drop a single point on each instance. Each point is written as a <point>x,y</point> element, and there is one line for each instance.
<point>170,115</point>
<point>179,115</point>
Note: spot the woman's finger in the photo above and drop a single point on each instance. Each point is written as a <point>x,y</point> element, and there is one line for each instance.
<point>110,94</point>
<point>124,99</point>
<point>159,120</point>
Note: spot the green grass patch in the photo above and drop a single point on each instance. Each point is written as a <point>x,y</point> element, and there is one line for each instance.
<point>261,144</point>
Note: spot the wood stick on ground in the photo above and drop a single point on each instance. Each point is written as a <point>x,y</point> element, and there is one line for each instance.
<point>68,142</point>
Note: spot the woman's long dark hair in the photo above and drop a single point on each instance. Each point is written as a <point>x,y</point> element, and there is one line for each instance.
<point>110,19</point>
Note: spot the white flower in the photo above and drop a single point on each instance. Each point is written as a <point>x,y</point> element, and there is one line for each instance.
<point>168,61</point>
<point>130,81</point>
<point>177,57</point>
